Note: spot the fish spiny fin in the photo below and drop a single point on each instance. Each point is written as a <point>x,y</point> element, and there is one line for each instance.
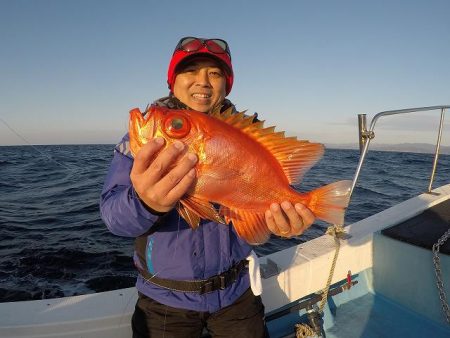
<point>296,157</point>
<point>238,120</point>
<point>227,113</point>
<point>216,112</point>
<point>250,226</point>
<point>222,115</point>
<point>192,209</point>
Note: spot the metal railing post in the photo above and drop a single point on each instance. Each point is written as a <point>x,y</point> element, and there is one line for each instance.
<point>365,135</point>
<point>438,146</point>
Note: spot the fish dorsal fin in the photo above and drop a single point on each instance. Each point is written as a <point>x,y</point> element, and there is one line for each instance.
<point>249,225</point>
<point>296,157</point>
<point>192,209</point>
<point>222,115</point>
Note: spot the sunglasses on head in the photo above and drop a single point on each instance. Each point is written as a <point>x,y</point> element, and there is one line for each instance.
<point>191,44</point>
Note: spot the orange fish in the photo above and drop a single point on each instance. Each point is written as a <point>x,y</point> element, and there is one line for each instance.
<point>241,166</point>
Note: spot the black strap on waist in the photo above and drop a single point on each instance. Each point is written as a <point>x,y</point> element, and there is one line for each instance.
<point>218,282</point>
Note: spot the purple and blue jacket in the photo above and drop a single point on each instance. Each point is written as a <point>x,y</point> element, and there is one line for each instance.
<point>173,251</point>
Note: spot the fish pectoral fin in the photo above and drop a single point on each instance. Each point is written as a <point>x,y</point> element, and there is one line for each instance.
<point>188,215</point>
<point>249,225</point>
<point>193,209</point>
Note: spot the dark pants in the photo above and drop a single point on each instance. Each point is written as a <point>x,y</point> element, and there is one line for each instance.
<point>244,318</point>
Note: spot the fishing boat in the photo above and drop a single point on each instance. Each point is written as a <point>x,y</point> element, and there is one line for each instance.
<point>387,275</point>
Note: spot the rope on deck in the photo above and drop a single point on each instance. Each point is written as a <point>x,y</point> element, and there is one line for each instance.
<point>304,330</point>
<point>337,231</point>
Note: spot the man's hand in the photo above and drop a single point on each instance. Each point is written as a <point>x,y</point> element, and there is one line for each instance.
<point>287,220</point>
<point>161,178</point>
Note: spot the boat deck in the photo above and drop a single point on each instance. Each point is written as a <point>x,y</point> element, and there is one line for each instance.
<point>401,298</point>
<point>362,313</point>
<point>425,229</point>
<point>397,297</point>
<point>374,316</point>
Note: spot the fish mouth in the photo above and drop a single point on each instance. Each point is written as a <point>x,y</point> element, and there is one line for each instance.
<point>148,130</point>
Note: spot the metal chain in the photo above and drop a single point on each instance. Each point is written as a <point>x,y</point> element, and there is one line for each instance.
<point>439,282</point>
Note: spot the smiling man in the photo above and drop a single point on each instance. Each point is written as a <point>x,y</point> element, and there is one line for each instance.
<point>200,84</point>
<point>188,280</point>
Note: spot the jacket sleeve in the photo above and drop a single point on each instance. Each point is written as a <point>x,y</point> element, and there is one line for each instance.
<point>120,208</point>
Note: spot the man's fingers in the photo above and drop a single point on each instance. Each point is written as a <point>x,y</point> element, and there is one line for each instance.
<point>306,215</point>
<point>280,219</point>
<point>276,221</point>
<point>295,220</point>
<point>166,158</point>
<point>161,180</point>
<point>145,156</point>
<point>182,187</point>
<point>270,222</point>
<point>287,220</point>
<point>178,180</point>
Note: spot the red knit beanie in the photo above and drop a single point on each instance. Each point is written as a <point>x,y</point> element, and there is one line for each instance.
<point>182,57</point>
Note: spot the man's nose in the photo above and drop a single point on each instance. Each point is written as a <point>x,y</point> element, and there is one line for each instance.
<point>203,78</point>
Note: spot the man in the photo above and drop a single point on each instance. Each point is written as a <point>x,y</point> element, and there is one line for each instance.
<point>188,279</point>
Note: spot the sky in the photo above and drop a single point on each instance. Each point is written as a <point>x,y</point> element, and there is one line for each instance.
<point>70,71</point>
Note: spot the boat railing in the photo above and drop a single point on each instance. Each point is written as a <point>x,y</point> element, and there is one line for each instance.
<point>366,135</point>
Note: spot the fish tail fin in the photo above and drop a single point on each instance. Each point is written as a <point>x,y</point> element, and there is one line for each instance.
<point>328,203</point>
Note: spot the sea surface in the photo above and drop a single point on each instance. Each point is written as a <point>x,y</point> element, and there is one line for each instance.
<point>53,242</point>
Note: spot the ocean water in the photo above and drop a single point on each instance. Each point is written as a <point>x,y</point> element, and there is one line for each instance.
<point>53,242</point>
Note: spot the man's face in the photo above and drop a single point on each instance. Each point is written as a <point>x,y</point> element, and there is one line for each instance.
<point>200,84</point>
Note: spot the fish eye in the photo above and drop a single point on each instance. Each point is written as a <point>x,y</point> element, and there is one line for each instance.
<point>177,126</point>
<point>176,123</point>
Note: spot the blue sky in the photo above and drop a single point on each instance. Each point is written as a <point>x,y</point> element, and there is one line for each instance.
<point>71,70</point>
